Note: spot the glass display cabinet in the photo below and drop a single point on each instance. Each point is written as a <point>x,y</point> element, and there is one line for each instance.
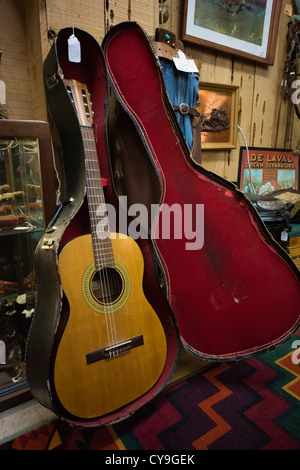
<point>27,204</point>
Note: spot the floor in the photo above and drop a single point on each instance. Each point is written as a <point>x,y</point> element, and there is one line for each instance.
<point>22,419</point>
<point>31,415</point>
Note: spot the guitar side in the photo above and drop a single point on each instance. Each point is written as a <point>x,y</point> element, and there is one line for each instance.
<point>89,383</point>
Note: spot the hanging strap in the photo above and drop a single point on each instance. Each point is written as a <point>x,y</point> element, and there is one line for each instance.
<point>185,109</point>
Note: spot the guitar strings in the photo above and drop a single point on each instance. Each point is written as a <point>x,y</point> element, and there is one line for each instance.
<point>78,94</point>
<point>94,201</point>
<point>97,200</point>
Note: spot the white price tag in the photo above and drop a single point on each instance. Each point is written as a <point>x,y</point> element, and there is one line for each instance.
<point>183,64</point>
<point>2,92</point>
<point>74,49</point>
<point>284,236</point>
<point>2,352</point>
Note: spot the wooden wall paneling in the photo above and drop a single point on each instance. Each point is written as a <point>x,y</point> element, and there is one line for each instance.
<point>175,9</point>
<point>13,66</point>
<point>286,129</point>
<point>243,75</point>
<point>282,105</point>
<point>144,12</point>
<point>267,96</point>
<point>35,59</point>
<point>116,12</point>
<point>87,15</point>
<point>45,42</point>
<point>97,16</point>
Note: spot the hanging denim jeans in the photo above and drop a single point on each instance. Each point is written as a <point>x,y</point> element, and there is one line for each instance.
<point>182,87</point>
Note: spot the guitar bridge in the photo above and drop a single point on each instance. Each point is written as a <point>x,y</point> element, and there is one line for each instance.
<point>114,350</point>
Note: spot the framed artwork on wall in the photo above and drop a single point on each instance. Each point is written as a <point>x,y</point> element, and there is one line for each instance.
<point>246,28</point>
<point>270,170</point>
<point>218,108</point>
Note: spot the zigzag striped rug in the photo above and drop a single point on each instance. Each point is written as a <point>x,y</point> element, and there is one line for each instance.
<point>248,405</point>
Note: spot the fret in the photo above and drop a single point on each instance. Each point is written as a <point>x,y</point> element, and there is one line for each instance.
<point>107,254</point>
<point>96,203</point>
<point>96,198</point>
<point>108,259</point>
<point>99,207</point>
<point>102,213</point>
<point>98,251</point>
<point>100,217</point>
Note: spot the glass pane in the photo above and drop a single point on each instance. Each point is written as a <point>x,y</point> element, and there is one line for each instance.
<point>21,205</point>
<point>21,226</point>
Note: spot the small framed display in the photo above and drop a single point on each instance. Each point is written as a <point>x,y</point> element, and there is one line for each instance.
<point>218,108</point>
<point>270,170</point>
<point>240,27</point>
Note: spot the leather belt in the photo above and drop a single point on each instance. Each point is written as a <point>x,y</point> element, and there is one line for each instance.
<point>184,109</point>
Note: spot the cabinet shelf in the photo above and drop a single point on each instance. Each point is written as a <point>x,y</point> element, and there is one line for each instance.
<point>13,232</point>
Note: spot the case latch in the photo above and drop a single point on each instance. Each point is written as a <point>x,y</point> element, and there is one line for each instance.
<point>48,244</point>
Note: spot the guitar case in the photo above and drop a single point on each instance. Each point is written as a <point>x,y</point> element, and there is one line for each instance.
<point>72,220</point>
<point>233,290</point>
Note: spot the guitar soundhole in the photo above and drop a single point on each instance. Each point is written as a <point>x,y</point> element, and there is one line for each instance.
<point>107,285</point>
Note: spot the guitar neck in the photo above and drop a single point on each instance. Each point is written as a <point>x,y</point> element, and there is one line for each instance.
<point>103,252</point>
<point>102,245</point>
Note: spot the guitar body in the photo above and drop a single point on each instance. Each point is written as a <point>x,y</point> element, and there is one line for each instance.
<point>87,359</point>
<point>94,389</point>
<point>233,290</point>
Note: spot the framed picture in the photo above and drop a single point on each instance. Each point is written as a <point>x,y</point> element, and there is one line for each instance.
<point>270,170</point>
<point>246,28</point>
<point>218,108</point>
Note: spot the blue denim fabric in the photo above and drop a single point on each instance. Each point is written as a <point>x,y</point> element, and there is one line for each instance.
<point>182,87</point>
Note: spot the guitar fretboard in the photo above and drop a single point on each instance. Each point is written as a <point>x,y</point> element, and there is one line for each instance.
<point>103,252</point>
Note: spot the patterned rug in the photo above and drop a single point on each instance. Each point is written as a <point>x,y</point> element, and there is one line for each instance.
<point>247,405</point>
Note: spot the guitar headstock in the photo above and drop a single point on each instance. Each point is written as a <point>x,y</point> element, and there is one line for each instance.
<point>79,95</point>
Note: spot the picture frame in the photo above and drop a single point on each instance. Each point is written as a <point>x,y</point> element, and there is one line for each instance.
<point>271,170</point>
<point>244,29</point>
<point>218,107</point>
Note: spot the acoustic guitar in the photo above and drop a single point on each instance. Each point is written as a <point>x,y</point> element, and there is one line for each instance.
<point>113,347</point>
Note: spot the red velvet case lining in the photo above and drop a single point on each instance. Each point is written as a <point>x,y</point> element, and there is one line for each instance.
<point>240,293</point>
